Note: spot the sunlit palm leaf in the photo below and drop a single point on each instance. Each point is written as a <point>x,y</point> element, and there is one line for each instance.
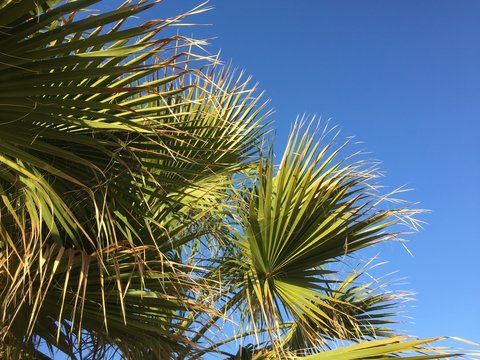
<point>313,210</point>
<point>389,348</point>
<point>357,309</point>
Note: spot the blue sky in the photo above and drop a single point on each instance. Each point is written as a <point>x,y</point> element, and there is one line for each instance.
<point>402,76</point>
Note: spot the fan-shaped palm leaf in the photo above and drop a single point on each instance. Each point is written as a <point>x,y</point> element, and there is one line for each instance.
<point>316,208</point>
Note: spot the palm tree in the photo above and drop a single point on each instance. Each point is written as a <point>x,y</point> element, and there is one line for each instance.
<point>142,216</point>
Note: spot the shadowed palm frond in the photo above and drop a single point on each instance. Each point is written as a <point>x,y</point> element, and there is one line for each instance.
<point>110,140</point>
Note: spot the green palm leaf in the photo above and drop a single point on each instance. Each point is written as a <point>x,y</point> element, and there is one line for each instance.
<point>385,349</point>
<point>313,210</point>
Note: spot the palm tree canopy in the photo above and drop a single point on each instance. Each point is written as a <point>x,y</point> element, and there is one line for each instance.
<point>142,215</point>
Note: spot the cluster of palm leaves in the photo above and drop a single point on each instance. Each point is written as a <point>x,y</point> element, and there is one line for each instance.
<point>142,216</point>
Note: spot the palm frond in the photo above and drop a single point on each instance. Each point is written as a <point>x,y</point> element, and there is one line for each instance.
<point>110,140</point>
<point>316,208</point>
<point>359,310</point>
<point>389,348</point>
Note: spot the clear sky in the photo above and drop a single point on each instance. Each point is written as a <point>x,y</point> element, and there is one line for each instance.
<point>404,77</point>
